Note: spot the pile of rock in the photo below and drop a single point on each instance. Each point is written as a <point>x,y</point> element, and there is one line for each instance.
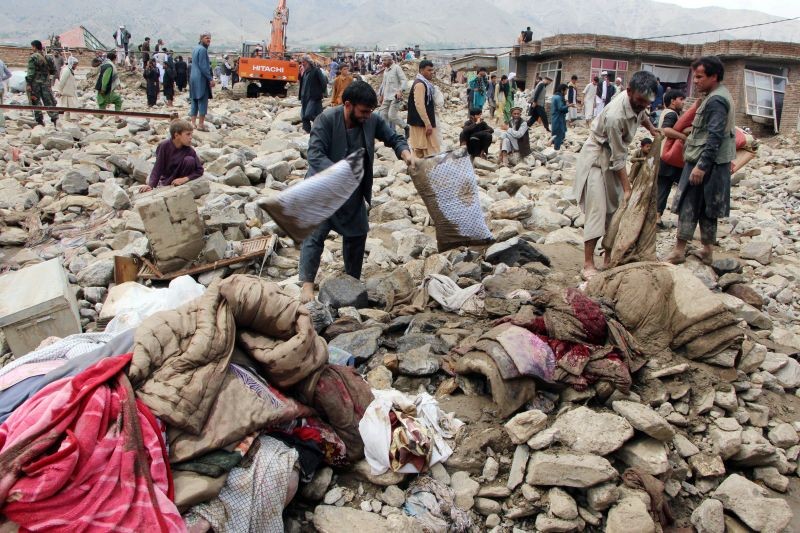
<point>723,440</point>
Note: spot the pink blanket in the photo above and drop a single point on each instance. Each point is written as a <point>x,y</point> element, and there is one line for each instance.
<point>84,455</point>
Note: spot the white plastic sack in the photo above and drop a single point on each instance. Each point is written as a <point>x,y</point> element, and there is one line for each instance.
<point>376,432</point>
<point>130,303</point>
<point>299,209</point>
<point>16,83</point>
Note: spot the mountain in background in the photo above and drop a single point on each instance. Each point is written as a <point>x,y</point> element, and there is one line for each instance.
<point>367,23</point>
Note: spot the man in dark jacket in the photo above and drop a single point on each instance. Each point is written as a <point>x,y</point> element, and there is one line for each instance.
<point>337,132</point>
<point>704,191</point>
<point>312,89</point>
<point>181,73</point>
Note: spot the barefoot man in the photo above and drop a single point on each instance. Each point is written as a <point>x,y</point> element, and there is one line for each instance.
<point>601,179</point>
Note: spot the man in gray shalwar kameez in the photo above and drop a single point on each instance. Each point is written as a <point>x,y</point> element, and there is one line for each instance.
<point>601,176</point>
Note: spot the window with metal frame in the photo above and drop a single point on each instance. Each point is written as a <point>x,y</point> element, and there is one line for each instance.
<point>764,95</point>
<point>552,69</point>
<point>615,68</point>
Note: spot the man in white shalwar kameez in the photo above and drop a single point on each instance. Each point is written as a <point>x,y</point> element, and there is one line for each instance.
<point>601,176</point>
<point>589,95</point>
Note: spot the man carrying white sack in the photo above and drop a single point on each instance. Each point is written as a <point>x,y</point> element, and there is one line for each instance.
<point>337,132</point>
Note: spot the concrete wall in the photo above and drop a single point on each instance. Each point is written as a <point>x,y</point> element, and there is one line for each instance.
<point>579,63</point>
<point>17,56</point>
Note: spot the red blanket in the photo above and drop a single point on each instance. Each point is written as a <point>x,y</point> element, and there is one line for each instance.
<point>84,455</point>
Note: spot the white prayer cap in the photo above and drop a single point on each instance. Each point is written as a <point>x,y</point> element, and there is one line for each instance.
<point>384,57</point>
<point>205,34</point>
<point>71,60</point>
<point>619,80</point>
<point>604,73</point>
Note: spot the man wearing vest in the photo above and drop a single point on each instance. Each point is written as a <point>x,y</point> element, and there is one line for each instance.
<point>668,174</point>
<point>422,136</point>
<point>704,191</point>
<point>107,83</point>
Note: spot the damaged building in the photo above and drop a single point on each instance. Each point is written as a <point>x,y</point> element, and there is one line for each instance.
<point>762,76</point>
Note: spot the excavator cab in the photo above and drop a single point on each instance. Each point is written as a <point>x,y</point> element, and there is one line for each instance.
<point>264,75</point>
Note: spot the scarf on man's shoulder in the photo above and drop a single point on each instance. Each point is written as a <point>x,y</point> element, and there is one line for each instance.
<point>428,86</point>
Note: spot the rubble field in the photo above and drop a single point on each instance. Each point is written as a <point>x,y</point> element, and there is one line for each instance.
<point>700,438</point>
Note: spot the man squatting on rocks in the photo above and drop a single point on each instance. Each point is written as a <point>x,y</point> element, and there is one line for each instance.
<point>176,161</point>
<point>704,190</point>
<point>337,132</point>
<point>601,176</point>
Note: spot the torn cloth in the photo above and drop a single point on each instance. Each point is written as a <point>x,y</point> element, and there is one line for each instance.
<point>64,349</point>
<point>659,507</point>
<point>631,235</point>
<point>433,503</point>
<point>253,497</point>
<point>453,298</point>
<point>83,454</point>
<point>398,430</point>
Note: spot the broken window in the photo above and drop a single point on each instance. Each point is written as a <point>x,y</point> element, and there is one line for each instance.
<point>616,69</point>
<point>552,69</point>
<point>671,77</point>
<point>764,95</point>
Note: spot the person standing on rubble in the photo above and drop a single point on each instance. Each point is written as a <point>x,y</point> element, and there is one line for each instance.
<point>479,85</point>
<point>181,73</point>
<point>107,83</point>
<point>151,75</point>
<point>668,174</point>
<point>38,84</point>
<point>66,87</point>
<point>342,82</point>
<point>589,93</point>
<point>423,137</point>
<point>313,85</point>
<point>537,109</point>
<point>704,191</point>
<point>201,81</point>
<point>337,132</point>
<point>601,177</point>
<point>390,94</point>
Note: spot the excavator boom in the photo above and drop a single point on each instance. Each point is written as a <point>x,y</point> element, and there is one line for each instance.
<point>273,70</point>
<point>277,42</point>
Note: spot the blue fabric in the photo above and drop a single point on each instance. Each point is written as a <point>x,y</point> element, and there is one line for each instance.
<point>558,120</point>
<point>199,107</point>
<point>16,395</point>
<point>200,78</point>
<point>479,86</point>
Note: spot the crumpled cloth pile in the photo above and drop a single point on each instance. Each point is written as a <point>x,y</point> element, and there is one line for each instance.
<point>666,307</point>
<point>445,292</point>
<point>432,503</point>
<point>572,342</point>
<point>110,467</point>
<point>405,433</point>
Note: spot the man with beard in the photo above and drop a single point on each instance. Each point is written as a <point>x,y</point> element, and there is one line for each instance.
<point>313,85</point>
<point>601,176</point>
<point>201,81</point>
<point>338,132</point>
<point>515,137</point>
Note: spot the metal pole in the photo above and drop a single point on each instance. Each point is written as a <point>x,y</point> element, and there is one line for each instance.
<point>139,114</point>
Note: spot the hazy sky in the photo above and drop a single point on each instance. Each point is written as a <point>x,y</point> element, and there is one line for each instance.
<point>780,8</point>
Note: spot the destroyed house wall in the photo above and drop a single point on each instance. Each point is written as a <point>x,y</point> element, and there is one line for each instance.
<point>577,53</point>
<point>17,56</point>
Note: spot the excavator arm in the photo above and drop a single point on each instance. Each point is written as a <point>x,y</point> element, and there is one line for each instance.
<point>277,42</point>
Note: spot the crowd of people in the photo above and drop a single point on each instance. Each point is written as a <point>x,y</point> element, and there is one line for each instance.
<point>612,111</point>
